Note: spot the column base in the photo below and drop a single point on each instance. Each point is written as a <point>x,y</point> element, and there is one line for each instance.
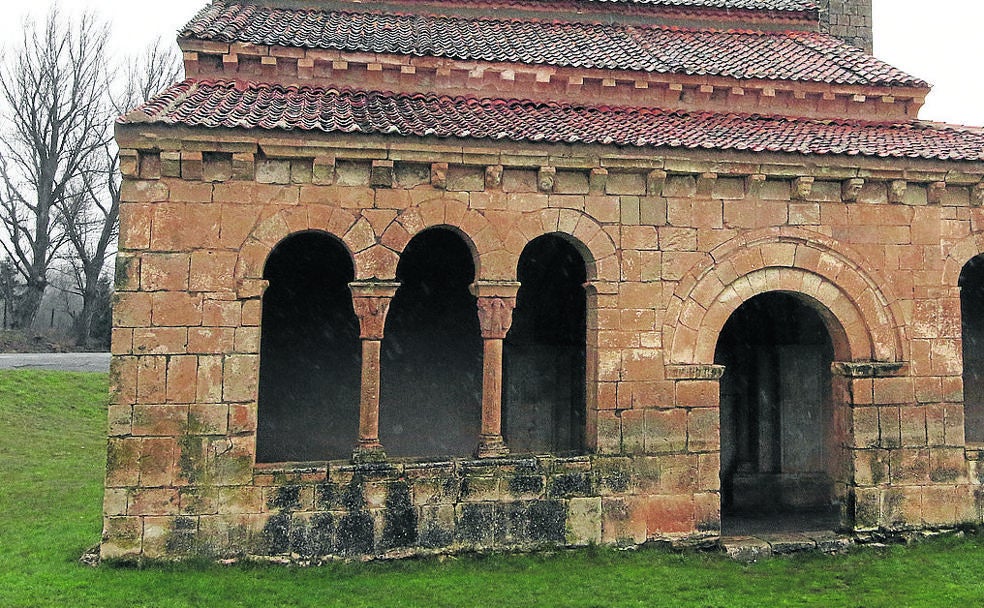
<point>370,452</point>
<point>491,447</point>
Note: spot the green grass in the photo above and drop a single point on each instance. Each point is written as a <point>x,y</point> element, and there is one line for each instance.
<point>52,454</point>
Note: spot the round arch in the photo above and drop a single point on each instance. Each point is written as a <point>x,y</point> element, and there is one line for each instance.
<point>862,320</point>
<point>271,231</point>
<point>576,227</point>
<point>956,259</point>
<point>454,215</point>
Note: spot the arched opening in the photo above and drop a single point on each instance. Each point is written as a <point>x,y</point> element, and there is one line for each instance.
<point>431,363</point>
<point>972,332</point>
<point>309,353</point>
<point>544,351</point>
<point>779,440</point>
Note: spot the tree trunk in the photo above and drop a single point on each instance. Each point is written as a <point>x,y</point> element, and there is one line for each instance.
<point>27,305</point>
<point>83,322</point>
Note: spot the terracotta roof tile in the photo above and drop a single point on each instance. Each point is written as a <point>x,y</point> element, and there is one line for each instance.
<point>800,56</point>
<point>240,105</point>
<point>752,5</point>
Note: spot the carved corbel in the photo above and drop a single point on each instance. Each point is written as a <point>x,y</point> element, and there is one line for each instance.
<point>802,188</point>
<point>851,188</point>
<point>705,184</point>
<point>493,177</point>
<point>753,185</point>
<point>381,174</point>
<point>654,182</point>
<point>977,195</point>
<point>935,193</point>
<point>439,176</point>
<point>896,190</point>
<point>546,177</point>
<point>598,180</point>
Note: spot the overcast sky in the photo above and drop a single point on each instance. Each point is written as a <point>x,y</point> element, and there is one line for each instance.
<point>943,46</point>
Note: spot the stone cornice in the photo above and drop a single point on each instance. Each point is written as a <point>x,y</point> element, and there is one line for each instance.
<point>707,163</point>
<point>409,74</point>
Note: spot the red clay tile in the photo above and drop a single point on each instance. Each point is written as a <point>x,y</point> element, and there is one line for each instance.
<point>798,56</point>
<point>243,105</point>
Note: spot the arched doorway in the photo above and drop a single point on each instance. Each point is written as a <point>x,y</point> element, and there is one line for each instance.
<point>972,333</point>
<point>544,351</point>
<point>779,444</point>
<point>431,362</point>
<point>310,358</point>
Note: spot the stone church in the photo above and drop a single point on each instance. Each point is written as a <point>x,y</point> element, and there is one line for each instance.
<point>411,276</point>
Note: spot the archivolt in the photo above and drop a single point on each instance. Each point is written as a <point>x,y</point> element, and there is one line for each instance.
<point>864,322</point>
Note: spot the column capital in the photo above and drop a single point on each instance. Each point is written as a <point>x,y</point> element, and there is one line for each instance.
<point>371,301</point>
<point>496,301</point>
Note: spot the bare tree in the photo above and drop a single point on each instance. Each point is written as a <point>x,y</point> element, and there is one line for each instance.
<point>52,101</point>
<point>91,215</point>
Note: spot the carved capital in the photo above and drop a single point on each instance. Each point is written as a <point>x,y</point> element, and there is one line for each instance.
<point>496,301</point>
<point>371,301</point>
<point>495,316</point>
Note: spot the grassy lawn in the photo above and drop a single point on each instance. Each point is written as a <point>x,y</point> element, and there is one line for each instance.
<point>52,450</point>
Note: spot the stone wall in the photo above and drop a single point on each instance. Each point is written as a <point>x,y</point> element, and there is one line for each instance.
<point>673,246</point>
<point>850,20</point>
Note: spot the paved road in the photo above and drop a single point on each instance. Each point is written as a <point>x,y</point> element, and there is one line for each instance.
<point>68,362</point>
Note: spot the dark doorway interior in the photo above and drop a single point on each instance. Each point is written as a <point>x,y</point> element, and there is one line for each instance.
<point>544,402</point>
<point>431,367</point>
<point>309,354</point>
<point>972,326</point>
<point>778,451</point>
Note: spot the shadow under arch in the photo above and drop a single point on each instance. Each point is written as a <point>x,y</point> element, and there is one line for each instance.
<point>782,428</point>
<point>310,361</point>
<point>431,361</point>
<point>544,407</point>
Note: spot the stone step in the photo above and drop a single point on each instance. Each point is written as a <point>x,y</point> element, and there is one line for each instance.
<point>763,546</point>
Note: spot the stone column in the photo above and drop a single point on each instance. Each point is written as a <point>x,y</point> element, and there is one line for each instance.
<point>371,300</point>
<point>496,301</point>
